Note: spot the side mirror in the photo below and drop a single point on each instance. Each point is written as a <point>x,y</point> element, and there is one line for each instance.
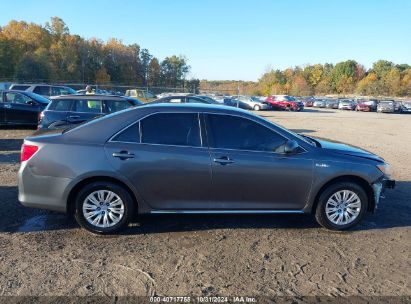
<point>291,146</point>
<point>30,102</point>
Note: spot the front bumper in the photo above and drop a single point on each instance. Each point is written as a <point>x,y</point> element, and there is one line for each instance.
<point>385,110</point>
<point>379,189</point>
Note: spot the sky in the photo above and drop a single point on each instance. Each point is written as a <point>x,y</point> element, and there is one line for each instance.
<point>238,39</point>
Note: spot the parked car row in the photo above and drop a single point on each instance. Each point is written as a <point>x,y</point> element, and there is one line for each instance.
<point>371,105</point>
<point>22,105</point>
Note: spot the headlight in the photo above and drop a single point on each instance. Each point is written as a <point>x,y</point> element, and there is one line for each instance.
<point>386,169</point>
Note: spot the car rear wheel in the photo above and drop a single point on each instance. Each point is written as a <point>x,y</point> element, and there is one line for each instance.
<point>103,208</point>
<point>256,108</point>
<point>341,206</point>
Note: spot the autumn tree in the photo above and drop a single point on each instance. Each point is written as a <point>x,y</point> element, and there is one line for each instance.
<point>154,72</point>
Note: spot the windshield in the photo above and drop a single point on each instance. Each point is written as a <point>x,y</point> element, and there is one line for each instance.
<point>386,103</point>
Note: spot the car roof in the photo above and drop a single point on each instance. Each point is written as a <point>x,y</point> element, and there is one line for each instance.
<point>201,107</point>
<point>39,84</point>
<point>91,96</point>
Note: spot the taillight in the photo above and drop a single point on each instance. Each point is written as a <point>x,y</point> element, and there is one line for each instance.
<point>41,116</point>
<point>27,151</point>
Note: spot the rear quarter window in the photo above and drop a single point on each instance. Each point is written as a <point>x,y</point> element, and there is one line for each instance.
<point>19,87</point>
<point>131,134</point>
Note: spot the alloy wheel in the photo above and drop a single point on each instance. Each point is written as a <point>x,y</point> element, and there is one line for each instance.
<point>103,208</point>
<point>343,207</point>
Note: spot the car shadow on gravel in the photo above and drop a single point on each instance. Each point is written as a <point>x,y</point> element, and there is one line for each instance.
<point>17,218</point>
<point>10,157</point>
<point>393,212</point>
<point>302,131</point>
<point>318,111</point>
<point>10,144</point>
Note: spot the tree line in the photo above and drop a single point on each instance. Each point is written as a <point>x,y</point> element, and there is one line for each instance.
<point>49,53</point>
<point>384,78</point>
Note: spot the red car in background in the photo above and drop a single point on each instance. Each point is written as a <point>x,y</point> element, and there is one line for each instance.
<point>284,102</point>
<point>366,105</point>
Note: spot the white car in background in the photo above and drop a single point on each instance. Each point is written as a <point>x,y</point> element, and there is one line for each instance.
<point>249,103</point>
<point>320,103</point>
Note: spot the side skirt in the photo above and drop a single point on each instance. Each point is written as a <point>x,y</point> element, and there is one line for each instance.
<point>227,212</point>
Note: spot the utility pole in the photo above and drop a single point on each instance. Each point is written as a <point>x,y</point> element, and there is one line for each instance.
<point>238,94</point>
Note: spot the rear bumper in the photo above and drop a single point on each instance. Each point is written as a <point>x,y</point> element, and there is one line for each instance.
<point>44,192</point>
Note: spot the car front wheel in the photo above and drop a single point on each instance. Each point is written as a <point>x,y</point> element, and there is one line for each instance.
<point>341,206</point>
<point>256,108</point>
<point>103,207</point>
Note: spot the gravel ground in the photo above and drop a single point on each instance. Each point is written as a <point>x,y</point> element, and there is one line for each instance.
<point>45,253</point>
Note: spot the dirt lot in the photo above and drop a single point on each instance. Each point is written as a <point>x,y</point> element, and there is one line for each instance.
<point>44,253</point>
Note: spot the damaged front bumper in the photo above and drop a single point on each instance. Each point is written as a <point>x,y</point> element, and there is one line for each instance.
<point>379,189</point>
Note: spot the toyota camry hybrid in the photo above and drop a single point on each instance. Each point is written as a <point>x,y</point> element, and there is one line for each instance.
<point>196,158</point>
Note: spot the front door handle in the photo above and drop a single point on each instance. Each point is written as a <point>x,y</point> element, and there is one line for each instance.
<point>224,160</point>
<point>74,117</point>
<point>7,106</point>
<point>123,155</point>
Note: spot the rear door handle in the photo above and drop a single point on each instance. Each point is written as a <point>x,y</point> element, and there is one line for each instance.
<point>74,117</point>
<point>7,106</point>
<point>123,155</point>
<point>224,160</point>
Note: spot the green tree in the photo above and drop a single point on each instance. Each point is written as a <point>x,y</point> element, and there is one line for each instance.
<point>173,70</point>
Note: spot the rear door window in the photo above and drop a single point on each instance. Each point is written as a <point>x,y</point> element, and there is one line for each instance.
<point>117,105</point>
<point>87,106</point>
<point>42,90</point>
<point>177,129</point>
<point>131,134</point>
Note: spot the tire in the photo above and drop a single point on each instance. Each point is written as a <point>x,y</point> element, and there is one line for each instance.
<point>257,108</point>
<point>113,217</point>
<point>324,201</point>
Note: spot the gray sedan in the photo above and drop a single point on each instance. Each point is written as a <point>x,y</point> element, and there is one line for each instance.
<point>248,103</point>
<point>175,158</point>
